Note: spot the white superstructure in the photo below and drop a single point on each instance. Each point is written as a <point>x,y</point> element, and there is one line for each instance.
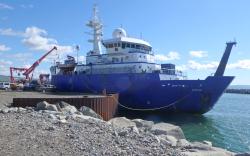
<point>123,54</point>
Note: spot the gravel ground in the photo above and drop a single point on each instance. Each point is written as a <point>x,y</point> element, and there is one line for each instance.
<point>67,131</point>
<point>6,97</point>
<point>34,133</point>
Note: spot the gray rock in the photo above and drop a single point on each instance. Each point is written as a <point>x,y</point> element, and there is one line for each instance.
<point>51,107</point>
<point>143,123</point>
<point>83,117</point>
<point>168,129</point>
<point>20,109</point>
<point>62,121</point>
<point>42,105</point>
<point>200,149</point>
<point>134,129</point>
<point>121,122</point>
<point>13,109</point>
<point>183,143</point>
<point>171,139</point>
<point>201,146</point>
<point>243,154</point>
<point>50,112</point>
<point>60,117</point>
<point>207,143</point>
<point>165,142</point>
<point>5,110</point>
<point>52,116</point>
<point>89,112</point>
<point>68,109</point>
<point>58,107</point>
<point>63,104</point>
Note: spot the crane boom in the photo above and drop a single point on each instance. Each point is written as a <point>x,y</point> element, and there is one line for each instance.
<point>35,64</point>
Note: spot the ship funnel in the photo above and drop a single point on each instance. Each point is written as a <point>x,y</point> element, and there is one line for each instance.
<point>223,62</point>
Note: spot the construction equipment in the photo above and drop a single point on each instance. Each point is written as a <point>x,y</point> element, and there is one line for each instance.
<point>44,79</point>
<point>28,71</point>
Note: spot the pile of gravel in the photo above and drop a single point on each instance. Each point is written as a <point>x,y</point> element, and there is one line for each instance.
<point>61,129</point>
<point>29,132</point>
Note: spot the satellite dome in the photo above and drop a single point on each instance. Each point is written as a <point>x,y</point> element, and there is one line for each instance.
<point>119,32</point>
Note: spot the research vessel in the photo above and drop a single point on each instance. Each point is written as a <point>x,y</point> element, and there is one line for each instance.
<point>128,67</point>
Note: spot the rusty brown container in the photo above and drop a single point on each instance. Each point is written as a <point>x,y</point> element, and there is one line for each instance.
<point>104,105</point>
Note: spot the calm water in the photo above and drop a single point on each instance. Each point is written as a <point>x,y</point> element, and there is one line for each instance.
<point>227,125</point>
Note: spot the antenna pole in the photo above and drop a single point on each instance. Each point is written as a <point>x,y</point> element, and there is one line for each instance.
<point>96,25</point>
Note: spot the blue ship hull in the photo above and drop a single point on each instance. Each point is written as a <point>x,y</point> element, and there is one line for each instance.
<point>146,92</point>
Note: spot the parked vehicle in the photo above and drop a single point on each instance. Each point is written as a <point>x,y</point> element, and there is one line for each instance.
<point>32,86</point>
<point>4,85</point>
<point>46,88</point>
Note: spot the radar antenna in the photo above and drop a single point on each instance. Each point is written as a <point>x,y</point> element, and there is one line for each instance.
<point>96,25</point>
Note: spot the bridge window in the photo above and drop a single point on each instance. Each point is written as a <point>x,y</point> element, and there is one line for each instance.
<point>115,59</point>
<point>115,45</point>
<point>132,46</point>
<point>128,45</point>
<point>118,44</point>
<point>137,46</point>
<point>110,45</point>
<point>123,45</point>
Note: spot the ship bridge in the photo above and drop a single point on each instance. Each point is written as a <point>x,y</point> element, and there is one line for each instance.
<point>121,43</point>
<point>122,49</point>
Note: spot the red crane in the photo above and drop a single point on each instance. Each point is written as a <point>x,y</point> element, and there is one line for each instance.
<point>29,70</point>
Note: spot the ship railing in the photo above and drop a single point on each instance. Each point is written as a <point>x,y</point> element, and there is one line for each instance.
<point>181,74</point>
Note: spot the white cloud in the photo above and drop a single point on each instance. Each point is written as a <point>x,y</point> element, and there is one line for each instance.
<point>4,66</point>
<point>10,32</point>
<point>240,64</point>
<point>4,47</point>
<point>193,65</point>
<point>181,67</point>
<point>37,39</point>
<point>170,56</point>
<point>22,57</point>
<point>4,62</point>
<point>198,54</point>
<point>6,6</point>
<point>82,59</point>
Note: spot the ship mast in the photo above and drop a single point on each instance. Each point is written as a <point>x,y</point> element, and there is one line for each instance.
<point>96,25</point>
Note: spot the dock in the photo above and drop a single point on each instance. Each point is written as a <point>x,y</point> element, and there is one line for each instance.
<point>104,105</point>
<point>238,91</point>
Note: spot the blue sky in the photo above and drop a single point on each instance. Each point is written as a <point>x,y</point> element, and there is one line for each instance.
<point>190,33</point>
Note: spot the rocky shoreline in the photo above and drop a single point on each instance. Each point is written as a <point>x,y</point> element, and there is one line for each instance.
<point>61,129</point>
<point>238,91</point>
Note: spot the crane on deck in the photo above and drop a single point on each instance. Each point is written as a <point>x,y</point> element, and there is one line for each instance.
<point>28,71</point>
